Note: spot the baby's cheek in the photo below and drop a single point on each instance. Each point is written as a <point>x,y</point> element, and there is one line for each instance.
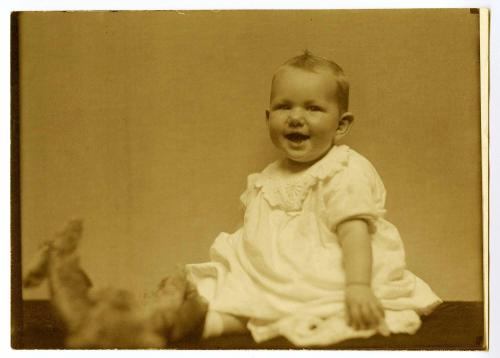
<point>274,127</point>
<point>275,137</point>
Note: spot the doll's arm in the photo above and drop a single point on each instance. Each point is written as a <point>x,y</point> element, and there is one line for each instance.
<point>362,307</point>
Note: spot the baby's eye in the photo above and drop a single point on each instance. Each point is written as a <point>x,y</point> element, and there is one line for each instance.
<point>281,106</point>
<point>313,108</point>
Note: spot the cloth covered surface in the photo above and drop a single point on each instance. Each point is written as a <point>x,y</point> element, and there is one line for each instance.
<point>453,325</point>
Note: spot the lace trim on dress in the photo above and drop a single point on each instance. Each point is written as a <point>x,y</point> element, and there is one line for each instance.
<point>290,193</point>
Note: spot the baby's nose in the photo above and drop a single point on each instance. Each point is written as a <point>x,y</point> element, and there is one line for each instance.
<point>296,117</point>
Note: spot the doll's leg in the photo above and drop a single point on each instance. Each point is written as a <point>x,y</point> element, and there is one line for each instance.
<point>58,261</point>
<point>69,284</point>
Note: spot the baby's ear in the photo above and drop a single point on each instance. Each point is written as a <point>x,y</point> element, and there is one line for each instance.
<point>344,126</point>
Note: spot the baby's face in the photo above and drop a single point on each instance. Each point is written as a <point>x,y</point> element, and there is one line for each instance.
<point>304,115</point>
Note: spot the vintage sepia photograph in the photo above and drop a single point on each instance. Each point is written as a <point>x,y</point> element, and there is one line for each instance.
<point>249,179</point>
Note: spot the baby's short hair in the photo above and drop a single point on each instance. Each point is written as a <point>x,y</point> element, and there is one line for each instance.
<point>309,62</point>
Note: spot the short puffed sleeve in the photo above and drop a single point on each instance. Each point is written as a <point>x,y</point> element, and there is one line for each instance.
<point>356,192</point>
<point>249,193</point>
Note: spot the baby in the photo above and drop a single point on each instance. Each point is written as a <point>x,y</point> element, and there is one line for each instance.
<point>315,261</point>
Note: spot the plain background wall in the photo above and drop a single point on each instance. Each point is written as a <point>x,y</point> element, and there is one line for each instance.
<point>146,124</point>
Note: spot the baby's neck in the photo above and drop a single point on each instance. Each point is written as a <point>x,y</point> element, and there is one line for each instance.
<point>294,167</point>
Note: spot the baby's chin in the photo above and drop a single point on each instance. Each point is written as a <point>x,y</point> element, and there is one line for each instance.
<point>305,155</point>
<point>304,160</point>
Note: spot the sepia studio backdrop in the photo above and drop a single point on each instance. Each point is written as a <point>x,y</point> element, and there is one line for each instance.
<point>146,125</point>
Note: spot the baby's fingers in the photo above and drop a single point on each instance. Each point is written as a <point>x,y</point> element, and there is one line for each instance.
<point>376,316</point>
<point>360,316</point>
<point>354,315</point>
<point>369,318</point>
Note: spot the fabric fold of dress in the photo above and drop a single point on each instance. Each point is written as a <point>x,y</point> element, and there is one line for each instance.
<point>283,268</point>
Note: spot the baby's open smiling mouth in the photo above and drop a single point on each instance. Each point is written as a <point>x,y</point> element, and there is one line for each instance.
<point>296,137</point>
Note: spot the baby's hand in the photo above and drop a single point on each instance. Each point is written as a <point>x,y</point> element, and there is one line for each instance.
<point>364,310</point>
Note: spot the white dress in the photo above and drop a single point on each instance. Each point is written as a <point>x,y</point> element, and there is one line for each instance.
<point>283,268</point>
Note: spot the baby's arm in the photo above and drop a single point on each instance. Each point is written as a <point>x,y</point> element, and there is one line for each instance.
<point>362,307</point>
